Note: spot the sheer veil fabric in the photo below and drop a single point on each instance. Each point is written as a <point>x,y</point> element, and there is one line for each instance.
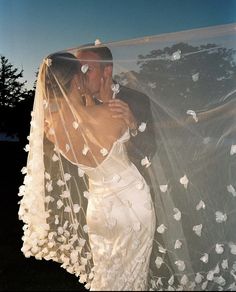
<point>150,211</point>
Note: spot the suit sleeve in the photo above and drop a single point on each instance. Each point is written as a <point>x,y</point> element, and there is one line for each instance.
<point>144,143</point>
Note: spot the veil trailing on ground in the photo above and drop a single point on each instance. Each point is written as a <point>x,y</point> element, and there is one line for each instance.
<point>186,152</point>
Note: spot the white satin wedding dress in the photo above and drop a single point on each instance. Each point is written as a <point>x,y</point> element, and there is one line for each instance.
<point>119,207</point>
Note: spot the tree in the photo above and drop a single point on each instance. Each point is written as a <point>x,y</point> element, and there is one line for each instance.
<point>200,76</point>
<point>12,90</point>
<point>15,99</point>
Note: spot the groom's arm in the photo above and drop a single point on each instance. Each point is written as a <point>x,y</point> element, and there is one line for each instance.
<point>142,143</point>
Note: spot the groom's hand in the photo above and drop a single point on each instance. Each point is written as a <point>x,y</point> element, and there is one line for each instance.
<point>105,89</point>
<point>121,110</point>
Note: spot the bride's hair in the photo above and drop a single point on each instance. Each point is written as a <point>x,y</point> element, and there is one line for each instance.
<point>60,68</point>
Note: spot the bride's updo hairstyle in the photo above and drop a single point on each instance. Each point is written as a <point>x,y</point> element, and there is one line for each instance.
<point>60,68</point>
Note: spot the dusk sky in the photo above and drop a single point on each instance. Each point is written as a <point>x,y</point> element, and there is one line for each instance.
<point>30,29</point>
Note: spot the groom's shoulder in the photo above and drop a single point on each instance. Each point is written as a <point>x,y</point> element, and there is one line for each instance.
<point>130,93</point>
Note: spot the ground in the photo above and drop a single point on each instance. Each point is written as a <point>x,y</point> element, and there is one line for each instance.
<point>18,273</point>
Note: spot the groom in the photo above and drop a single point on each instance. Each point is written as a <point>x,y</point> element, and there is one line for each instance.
<point>129,104</point>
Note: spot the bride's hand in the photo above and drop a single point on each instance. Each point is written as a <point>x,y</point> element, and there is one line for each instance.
<point>121,110</point>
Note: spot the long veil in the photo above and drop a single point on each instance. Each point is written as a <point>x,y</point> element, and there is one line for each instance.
<point>190,80</point>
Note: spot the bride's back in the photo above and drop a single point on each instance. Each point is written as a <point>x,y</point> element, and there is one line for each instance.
<point>88,138</point>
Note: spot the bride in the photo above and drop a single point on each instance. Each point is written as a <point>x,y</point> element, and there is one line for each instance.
<point>119,201</point>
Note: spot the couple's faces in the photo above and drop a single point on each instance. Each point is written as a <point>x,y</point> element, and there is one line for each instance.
<point>94,73</point>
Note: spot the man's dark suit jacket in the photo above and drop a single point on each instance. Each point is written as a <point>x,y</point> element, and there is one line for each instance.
<point>144,143</point>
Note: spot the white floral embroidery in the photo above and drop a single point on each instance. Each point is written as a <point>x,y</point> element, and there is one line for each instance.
<point>219,248</point>
<point>24,170</point>
<point>27,148</point>
<point>85,228</point>
<point>65,194</point>
<point>75,125</point>
<point>60,183</point>
<point>231,190</point>
<point>135,244</point>
<point>159,282</point>
<point>67,147</point>
<point>184,280</point>
<point>232,247</point>
<point>82,242</point>
<point>59,204</point>
<point>84,68</point>
<point>176,55</point>
<point>198,229</point>
<point>49,186</point>
<point>80,172</point>
<point>200,205</point>
<point>76,208</point>
<point>116,89</point>
<point>139,185</point>
<point>47,175</point>
<point>163,188</point>
<point>48,61</point>
<point>55,157</point>
<point>161,228</point>
<point>49,199</point>
<point>85,149</point>
<point>181,265</point>
<point>104,151</point>
<point>232,287</point>
<point>171,280</point>
<point>116,178</point>
<point>206,140</point>
<point>56,221</point>
<point>204,285</point>
<point>148,205</point>
<point>152,84</point>
<point>220,281</point>
<point>67,209</point>
<point>97,42</point>
<point>87,286</point>
<point>210,275</point>
<point>145,162</point>
<point>177,214</point>
<point>233,149</point>
<point>195,77</point>
<point>178,244</point>
<point>142,127</point>
<point>21,190</point>
<point>162,249</point>
<point>224,264</point>
<point>159,261</point>
<point>199,278</point>
<point>205,258</point>
<point>193,114</point>
<point>184,181</point>
<point>86,194</point>
<point>220,217</point>
<point>67,176</point>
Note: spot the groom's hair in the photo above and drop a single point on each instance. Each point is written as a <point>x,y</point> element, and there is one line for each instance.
<point>102,51</point>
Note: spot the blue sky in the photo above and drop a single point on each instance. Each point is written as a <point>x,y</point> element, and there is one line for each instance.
<point>31,29</point>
